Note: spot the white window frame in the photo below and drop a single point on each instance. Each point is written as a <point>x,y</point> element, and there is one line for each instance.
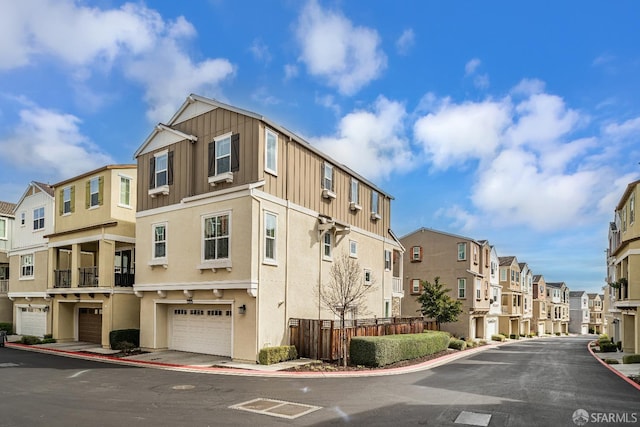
<point>128,180</point>
<point>327,181</point>
<point>327,247</point>
<point>66,192</point>
<point>353,249</point>
<point>216,258</point>
<point>462,286</point>
<point>218,141</point>
<point>503,274</point>
<point>415,289</point>
<point>155,242</point>
<point>270,239</point>
<point>161,155</point>
<point>415,255</point>
<point>375,205</point>
<point>23,265</point>
<point>354,201</point>
<point>632,208</point>
<point>96,180</point>
<point>368,277</point>
<point>3,230</point>
<point>478,289</point>
<point>462,254</point>
<point>271,152</point>
<point>23,219</point>
<point>387,260</point>
<point>38,219</point>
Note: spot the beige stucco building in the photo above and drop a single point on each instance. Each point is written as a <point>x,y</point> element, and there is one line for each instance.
<point>91,253</point>
<point>624,270</point>
<point>512,298</point>
<point>239,222</point>
<point>6,232</point>
<point>539,314</point>
<point>557,308</point>
<point>463,265</point>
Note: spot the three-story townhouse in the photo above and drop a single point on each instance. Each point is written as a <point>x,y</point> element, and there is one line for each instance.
<point>526,284</point>
<point>92,255</point>
<point>459,263</point>
<point>495,296</point>
<point>28,260</point>
<point>625,259</point>
<point>239,222</point>
<point>6,225</point>
<point>579,312</point>
<point>539,304</point>
<point>558,312</point>
<point>596,318</point>
<point>511,304</point>
<point>612,290</point>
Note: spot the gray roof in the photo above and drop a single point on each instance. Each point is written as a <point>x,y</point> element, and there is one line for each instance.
<point>7,208</point>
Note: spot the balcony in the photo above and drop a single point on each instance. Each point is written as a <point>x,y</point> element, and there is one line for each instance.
<point>513,311</point>
<point>62,279</point>
<point>124,278</point>
<point>4,286</point>
<point>87,277</point>
<point>397,285</point>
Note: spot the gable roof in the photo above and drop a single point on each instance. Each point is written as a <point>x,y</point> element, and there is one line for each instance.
<point>7,208</point>
<point>626,194</point>
<point>444,233</point>
<point>576,293</point>
<point>557,285</point>
<point>506,260</point>
<point>536,278</point>
<point>91,172</point>
<point>196,105</point>
<point>45,188</point>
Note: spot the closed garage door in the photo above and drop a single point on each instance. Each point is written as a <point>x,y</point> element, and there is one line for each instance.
<point>201,329</point>
<point>90,325</point>
<point>32,321</point>
<point>492,328</point>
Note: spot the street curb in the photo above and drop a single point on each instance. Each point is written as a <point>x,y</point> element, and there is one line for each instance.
<point>614,370</point>
<point>429,364</point>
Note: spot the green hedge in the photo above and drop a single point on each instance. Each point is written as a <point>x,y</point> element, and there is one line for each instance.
<point>631,358</point>
<point>608,347</point>
<point>7,327</point>
<point>498,337</point>
<point>131,336</point>
<point>457,344</point>
<point>269,355</point>
<point>611,361</point>
<point>384,350</point>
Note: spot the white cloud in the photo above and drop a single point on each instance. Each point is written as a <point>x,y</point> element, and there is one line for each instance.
<point>328,101</point>
<point>527,87</point>
<point>348,57</point>
<point>623,130</point>
<point>461,218</point>
<point>290,71</point>
<point>88,38</point>
<point>260,51</point>
<point>481,81</point>
<point>405,42</point>
<point>471,66</point>
<point>373,143</point>
<point>458,132</point>
<point>52,142</point>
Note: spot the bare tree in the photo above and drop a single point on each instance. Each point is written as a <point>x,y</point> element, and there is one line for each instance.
<point>346,291</point>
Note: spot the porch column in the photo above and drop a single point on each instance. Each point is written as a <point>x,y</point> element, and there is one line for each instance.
<point>75,265</point>
<point>106,264</point>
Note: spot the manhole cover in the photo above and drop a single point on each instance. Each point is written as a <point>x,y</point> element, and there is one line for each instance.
<point>276,408</point>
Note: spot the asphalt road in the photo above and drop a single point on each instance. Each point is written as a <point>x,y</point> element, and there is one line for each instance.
<point>538,382</point>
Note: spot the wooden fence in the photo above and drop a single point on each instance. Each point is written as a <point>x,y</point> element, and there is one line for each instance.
<point>320,339</point>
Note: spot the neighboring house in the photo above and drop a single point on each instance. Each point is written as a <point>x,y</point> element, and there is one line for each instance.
<point>29,260</point>
<point>92,253</point>
<point>611,322</point>
<point>539,305</point>
<point>462,264</point>
<point>495,294</point>
<point>596,318</point>
<point>6,225</point>
<point>579,312</point>
<point>239,223</point>
<point>512,301</point>
<point>624,258</point>
<point>612,314</point>
<point>558,308</point>
<point>526,284</point>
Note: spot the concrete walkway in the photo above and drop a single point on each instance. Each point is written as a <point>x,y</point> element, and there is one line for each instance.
<point>624,369</point>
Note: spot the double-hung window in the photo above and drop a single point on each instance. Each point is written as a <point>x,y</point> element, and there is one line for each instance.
<point>415,286</point>
<point>66,200</point>
<point>327,246</point>
<point>416,253</point>
<point>217,232</point>
<point>26,265</point>
<point>94,192</point>
<point>23,219</point>
<point>375,210</point>
<point>478,289</point>
<point>632,209</point>
<point>368,277</point>
<point>38,218</point>
<point>125,191</point>
<point>271,152</point>
<point>270,230</point>
<point>387,260</point>
<point>161,173</point>
<point>159,241</point>
<point>223,155</point>
<point>353,249</point>
<point>462,251</point>
<point>462,288</point>
<point>354,195</point>
<point>327,178</point>
<point>3,228</point>
<point>162,169</point>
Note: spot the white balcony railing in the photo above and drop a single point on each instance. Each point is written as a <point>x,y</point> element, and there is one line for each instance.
<point>4,286</point>
<point>397,285</point>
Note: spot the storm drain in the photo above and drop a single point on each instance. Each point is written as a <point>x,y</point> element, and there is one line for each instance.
<point>276,408</point>
<point>473,419</point>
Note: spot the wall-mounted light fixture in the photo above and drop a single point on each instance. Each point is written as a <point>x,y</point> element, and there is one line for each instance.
<point>46,308</point>
<point>242,309</point>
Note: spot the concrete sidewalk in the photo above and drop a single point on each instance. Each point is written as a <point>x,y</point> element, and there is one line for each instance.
<point>624,369</point>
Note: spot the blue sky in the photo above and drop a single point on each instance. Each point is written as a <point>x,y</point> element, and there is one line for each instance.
<point>515,122</point>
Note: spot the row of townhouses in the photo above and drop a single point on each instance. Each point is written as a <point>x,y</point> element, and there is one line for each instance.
<point>224,230</point>
<point>498,293</point>
<point>622,294</point>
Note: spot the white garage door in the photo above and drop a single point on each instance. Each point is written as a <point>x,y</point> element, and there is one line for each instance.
<point>492,328</point>
<point>200,329</point>
<point>31,321</point>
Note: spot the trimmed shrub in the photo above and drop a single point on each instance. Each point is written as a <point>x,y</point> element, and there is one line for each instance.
<point>131,336</point>
<point>457,344</point>
<point>387,349</point>
<point>608,347</point>
<point>611,361</point>
<point>471,343</point>
<point>7,327</point>
<point>269,355</point>
<point>631,358</point>
<point>498,337</point>
<point>29,340</point>
<point>514,336</point>
<point>604,337</point>
<point>47,340</point>
<point>557,334</point>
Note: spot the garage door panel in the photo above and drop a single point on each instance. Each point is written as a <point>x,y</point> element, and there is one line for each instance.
<point>33,321</point>
<point>201,329</point>
<point>90,325</point>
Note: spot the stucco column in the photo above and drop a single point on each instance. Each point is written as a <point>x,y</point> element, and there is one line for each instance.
<point>75,265</point>
<point>53,266</point>
<point>106,266</point>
